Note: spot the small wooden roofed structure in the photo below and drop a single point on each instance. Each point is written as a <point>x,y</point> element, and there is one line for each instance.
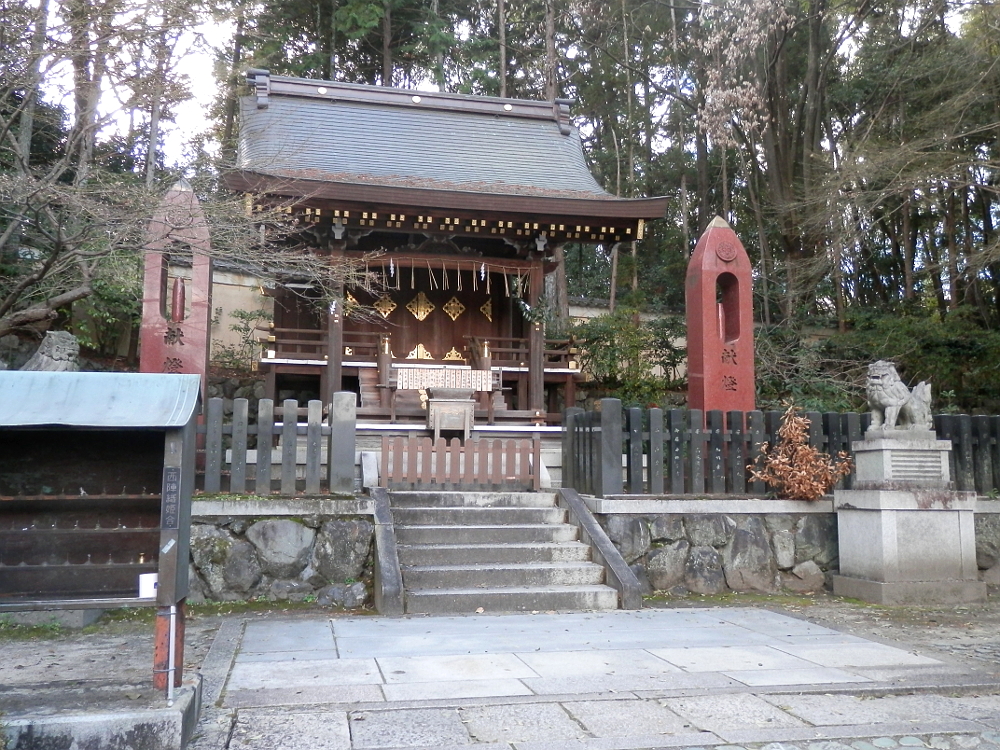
<point>465,202</point>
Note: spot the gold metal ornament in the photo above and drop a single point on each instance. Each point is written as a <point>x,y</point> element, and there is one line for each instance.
<point>419,352</point>
<point>454,355</point>
<point>487,309</point>
<point>420,306</point>
<point>384,305</point>
<point>453,308</point>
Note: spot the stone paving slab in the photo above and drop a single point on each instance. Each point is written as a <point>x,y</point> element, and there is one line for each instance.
<point>433,727</point>
<point>303,696</point>
<point>597,663</point>
<point>318,654</point>
<point>452,668</point>
<point>717,713</point>
<point>784,677</point>
<point>313,730</point>
<point>422,691</point>
<point>521,723</point>
<point>629,683</point>
<point>694,741</point>
<point>858,655</point>
<point>622,718</point>
<point>719,679</point>
<point>810,735</point>
<point>725,658</point>
<point>276,635</point>
<point>304,673</point>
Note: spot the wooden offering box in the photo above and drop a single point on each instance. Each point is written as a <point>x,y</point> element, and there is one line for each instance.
<point>96,474</point>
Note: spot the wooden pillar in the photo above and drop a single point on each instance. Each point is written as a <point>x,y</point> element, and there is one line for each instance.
<point>383,361</point>
<point>334,349</point>
<point>536,348</point>
<point>484,362</point>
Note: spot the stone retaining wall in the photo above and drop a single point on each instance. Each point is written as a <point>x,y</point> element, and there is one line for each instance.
<point>280,551</point>
<point>716,553</point>
<point>737,547</point>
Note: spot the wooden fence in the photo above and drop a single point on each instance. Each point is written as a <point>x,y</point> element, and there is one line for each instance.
<point>613,451</point>
<point>252,471</point>
<point>420,463</point>
<point>243,457</point>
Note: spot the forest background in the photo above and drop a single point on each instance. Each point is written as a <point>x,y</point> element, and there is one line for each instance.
<point>854,146</point>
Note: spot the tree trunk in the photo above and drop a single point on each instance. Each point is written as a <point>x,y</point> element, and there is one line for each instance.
<point>909,245</point>
<point>948,204</point>
<point>614,277</point>
<point>232,92</point>
<point>701,141</point>
<point>502,27</point>
<point>26,126</point>
<point>387,42</point>
<point>550,51</point>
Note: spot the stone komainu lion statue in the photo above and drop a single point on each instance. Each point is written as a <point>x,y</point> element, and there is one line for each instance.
<point>893,405</point>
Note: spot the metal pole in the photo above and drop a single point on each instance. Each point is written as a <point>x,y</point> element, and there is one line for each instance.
<point>171,655</point>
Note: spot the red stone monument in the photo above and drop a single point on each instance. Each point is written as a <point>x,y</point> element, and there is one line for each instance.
<point>719,293</point>
<point>174,337</point>
<point>176,320</point>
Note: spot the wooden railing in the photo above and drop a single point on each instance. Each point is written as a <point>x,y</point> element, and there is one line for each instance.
<point>683,452</point>
<point>420,463</point>
<point>296,343</point>
<point>514,352</point>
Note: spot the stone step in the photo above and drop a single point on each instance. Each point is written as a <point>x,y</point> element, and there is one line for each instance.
<point>520,599</point>
<point>473,499</point>
<point>523,533</point>
<point>494,576</point>
<point>477,516</point>
<point>459,554</point>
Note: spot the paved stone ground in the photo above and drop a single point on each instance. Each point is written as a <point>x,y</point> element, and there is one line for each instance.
<point>758,672</point>
<point>720,678</point>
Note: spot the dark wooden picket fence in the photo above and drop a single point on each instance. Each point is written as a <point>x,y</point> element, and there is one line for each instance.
<point>613,451</point>
<point>259,473</point>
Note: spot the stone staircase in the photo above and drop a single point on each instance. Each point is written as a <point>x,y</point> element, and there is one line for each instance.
<point>503,552</point>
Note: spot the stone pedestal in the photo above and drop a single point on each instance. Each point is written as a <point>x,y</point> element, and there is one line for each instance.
<point>905,536</point>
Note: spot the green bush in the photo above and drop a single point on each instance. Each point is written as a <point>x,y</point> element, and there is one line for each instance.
<point>619,352</point>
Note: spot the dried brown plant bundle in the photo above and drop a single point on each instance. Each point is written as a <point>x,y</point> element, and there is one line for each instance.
<point>794,469</point>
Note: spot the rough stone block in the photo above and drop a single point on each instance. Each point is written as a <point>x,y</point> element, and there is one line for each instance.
<point>629,534</point>
<point>283,545</point>
<point>816,539</point>
<point>348,596</point>
<point>747,560</point>
<point>709,531</point>
<point>242,570</point>
<point>987,540</point>
<point>667,565</point>
<point>783,543</point>
<point>666,528</point>
<point>342,549</point>
<point>703,571</point>
<point>291,591</point>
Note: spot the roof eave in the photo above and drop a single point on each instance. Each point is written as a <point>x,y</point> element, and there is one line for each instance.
<point>248,181</point>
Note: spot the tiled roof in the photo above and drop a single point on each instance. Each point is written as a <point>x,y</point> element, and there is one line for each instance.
<point>396,138</point>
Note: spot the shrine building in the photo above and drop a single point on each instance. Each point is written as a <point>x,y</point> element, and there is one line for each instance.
<point>460,204</point>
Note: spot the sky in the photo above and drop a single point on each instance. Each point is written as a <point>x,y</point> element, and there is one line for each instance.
<point>198,67</point>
